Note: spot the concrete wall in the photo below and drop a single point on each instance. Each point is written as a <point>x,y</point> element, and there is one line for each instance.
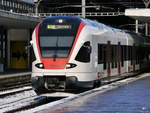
<point>18,35</point>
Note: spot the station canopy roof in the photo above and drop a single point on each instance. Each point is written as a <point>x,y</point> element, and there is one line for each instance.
<point>92,5</point>
<point>139,14</point>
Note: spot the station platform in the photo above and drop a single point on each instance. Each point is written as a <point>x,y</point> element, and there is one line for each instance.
<point>132,97</point>
<point>12,78</point>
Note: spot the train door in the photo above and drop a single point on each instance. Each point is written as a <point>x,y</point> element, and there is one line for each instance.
<point>105,58</point>
<point>119,58</point>
<point>19,59</point>
<point>133,56</point>
<point>107,62</point>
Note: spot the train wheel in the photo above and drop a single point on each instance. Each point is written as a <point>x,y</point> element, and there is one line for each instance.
<point>97,83</point>
<point>39,91</point>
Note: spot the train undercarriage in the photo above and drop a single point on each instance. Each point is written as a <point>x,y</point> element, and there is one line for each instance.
<point>44,84</point>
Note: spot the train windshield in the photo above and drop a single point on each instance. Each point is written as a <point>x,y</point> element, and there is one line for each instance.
<point>56,37</point>
<point>55,46</point>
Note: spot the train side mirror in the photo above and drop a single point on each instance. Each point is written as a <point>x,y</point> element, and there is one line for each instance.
<point>27,48</point>
<point>88,47</point>
<point>31,42</point>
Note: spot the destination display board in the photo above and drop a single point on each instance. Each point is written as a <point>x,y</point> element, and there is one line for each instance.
<point>59,26</point>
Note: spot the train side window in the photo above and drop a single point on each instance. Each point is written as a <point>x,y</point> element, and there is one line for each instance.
<point>132,56</point>
<point>122,56</point>
<point>102,50</point>
<point>100,53</point>
<point>84,53</point>
<point>137,55</point>
<point>104,56</point>
<point>116,58</point>
<point>125,53</point>
<point>113,56</point>
<point>129,53</point>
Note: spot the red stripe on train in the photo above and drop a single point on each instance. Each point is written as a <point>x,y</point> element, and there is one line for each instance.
<point>37,41</point>
<point>58,63</point>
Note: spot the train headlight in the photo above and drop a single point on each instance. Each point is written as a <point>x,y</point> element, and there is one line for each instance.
<point>39,65</point>
<point>70,65</point>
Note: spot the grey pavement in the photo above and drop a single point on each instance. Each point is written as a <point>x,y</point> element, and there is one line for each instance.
<point>131,98</point>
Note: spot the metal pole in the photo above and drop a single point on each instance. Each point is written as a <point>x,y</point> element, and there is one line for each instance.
<point>136,26</point>
<point>36,9</point>
<point>146,2</point>
<point>2,2</point>
<point>146,29</point>
<point>83,8</point>
<point>37,2</point>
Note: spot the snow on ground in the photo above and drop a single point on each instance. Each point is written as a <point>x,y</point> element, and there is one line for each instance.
<point>16,101</point>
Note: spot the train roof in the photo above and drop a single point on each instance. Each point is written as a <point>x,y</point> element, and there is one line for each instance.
<point>87,21</point>
<point>99,25</point>
<point>145,39</point>
<point>137,34</point>
<point>72,18</point>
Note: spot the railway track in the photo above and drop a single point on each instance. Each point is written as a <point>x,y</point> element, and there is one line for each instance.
<point>13,90</point>
<point>15,97</point>
<point>24,99</point>
<point>19,99</point>
<point>13,80</point>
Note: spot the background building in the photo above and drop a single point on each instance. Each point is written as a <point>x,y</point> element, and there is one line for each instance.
<point>21,14</point>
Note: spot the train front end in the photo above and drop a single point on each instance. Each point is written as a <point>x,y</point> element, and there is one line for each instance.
<point>54,40</point>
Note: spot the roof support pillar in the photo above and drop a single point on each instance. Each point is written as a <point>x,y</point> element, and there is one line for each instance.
<point>136,26</point>
<point>83,8</point>
<point>146,29</point>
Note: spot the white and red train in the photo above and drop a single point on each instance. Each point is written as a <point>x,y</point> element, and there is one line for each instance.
<point>73,52</point>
